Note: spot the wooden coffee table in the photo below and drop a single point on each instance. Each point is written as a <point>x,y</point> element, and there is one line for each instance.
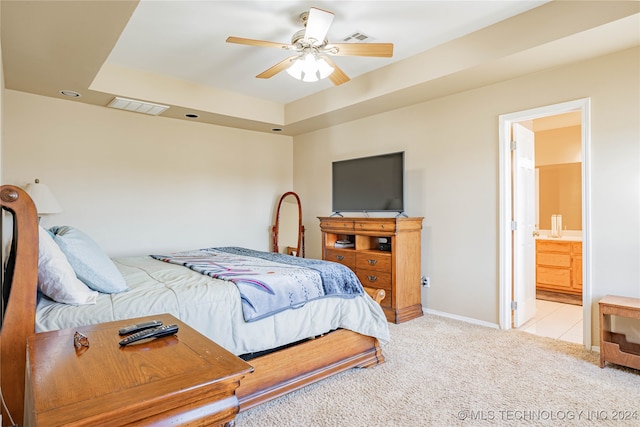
<point>185,379</point>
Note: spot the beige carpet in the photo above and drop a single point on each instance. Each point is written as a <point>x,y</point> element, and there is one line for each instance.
<point>443,372</point>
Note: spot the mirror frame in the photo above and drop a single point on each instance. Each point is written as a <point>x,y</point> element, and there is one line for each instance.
<point>276,228</point>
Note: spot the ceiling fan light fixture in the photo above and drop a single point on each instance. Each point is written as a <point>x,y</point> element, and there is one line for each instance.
<point>309,68</point>
<point>309,77</point>
<point>310,63</point>
<point>295,70</point>
<point>324,69</point>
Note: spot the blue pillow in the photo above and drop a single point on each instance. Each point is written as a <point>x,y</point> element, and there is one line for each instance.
<point>90,263</point>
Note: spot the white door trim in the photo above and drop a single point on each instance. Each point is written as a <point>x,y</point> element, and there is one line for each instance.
<point>505,256</point>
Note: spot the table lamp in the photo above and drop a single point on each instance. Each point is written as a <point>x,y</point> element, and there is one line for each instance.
<point>43,198</point>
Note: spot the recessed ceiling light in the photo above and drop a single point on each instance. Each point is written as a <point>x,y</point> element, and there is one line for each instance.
<point>191,115</point>
<point>70,93</point>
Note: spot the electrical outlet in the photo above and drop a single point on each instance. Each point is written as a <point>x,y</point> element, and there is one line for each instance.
<point>426,282</point>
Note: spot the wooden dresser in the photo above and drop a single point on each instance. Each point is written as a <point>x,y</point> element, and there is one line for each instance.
<point>396,269</point>
<point>559,266</point>
<point>185,379</point>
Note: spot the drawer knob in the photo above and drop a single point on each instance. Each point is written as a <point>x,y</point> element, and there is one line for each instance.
<point>372,278</point>
<point>372,261</point>
<point>339,257</point>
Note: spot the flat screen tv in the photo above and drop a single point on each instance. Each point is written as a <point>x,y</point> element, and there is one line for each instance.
<point>369,184</point>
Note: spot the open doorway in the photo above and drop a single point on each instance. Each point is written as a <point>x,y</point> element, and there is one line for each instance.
<point>523,219</point>
<point>557,243</point>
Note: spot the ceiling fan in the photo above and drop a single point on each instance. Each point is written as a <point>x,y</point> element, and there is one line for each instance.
<point>311,61</point>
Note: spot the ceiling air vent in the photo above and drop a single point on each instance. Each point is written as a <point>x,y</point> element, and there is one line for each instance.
<point>137,106</point>
<point>356,37</point>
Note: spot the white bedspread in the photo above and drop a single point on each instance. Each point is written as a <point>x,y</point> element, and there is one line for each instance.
<point>212,307</point>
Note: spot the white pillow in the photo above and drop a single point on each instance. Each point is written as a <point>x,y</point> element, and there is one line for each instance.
<point>56,278</point>
<point>91,264</point>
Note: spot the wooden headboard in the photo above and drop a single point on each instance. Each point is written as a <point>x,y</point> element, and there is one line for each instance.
<point>19,291</point>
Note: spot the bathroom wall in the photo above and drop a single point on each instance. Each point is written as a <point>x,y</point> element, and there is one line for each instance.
<point>561,193</point>
<point>558,161</point>
<point>558,145</point>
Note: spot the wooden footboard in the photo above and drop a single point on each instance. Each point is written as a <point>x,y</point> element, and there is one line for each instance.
<point>292,368</point>
<point>286,370</point>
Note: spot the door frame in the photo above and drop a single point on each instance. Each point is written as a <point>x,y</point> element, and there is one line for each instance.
<point>506,251</point>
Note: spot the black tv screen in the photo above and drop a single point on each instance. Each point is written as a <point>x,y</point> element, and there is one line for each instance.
<point>369,184</point>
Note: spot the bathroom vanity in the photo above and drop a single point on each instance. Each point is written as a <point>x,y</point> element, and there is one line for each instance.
<point>559,265</point>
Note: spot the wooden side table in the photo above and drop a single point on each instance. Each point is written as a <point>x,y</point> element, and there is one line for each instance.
<point>185,379</point>
<point>614,347</point>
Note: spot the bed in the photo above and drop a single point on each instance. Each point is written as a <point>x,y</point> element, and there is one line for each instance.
<point>332,334</point>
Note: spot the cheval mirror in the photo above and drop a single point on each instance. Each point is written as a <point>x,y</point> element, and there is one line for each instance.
<point>288,233</point>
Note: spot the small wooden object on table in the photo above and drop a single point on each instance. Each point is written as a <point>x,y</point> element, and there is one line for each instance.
<point>185,379</point>
<point>614,347</point>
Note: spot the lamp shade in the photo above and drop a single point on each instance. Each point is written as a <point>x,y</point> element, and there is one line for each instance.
<point>43,198</point>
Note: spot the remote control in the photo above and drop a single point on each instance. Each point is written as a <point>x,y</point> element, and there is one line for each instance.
<point>139,327</point>
<point>158,332</point>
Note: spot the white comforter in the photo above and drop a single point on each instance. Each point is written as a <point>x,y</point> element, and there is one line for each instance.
<point>212,307</point>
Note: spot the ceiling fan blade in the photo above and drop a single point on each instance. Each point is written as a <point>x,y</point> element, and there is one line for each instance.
<point>363,49</point>
<point>338,76</point>
<point>260,43</point>
<point>318,24</point>
<point>280,66</point>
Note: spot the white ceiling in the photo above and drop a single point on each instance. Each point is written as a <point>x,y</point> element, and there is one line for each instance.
<point>174,53</point>
<point>186,39</point>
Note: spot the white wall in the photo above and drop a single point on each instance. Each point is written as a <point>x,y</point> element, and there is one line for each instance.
<point>131,181</point>
<point>451,147</point>
<point>139,184</point>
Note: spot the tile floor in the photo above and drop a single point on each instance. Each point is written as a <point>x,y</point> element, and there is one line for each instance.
<point>555,320</point>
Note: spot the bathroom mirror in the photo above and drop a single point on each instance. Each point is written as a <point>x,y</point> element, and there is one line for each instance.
<point>288,232</point>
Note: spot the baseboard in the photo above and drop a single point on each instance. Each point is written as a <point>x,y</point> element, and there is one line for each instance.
<point>562,298</point>
<point>461,318</point>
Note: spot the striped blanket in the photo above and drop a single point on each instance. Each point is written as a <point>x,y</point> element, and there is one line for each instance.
<point>270,282</point>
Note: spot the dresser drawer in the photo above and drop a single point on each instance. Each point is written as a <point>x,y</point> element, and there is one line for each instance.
<point>555,260</point>
<point>337,225</point>
<point>377,280</point>
<point>558,277</point>
<point>347,258</point>
<point>375,226</point>
<point>374,279</point>
<point>372,260</point>
<point>552,246</point>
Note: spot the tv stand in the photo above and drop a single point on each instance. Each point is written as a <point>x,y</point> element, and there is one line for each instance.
<point>394,266</point>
